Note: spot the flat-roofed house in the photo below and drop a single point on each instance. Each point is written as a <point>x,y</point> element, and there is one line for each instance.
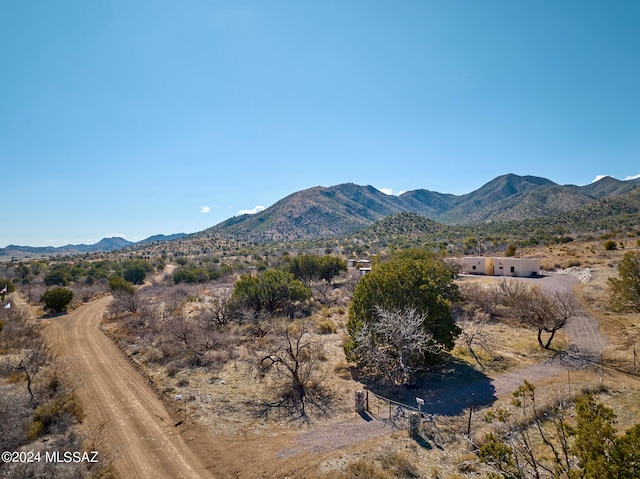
<point>477,265</point>
<point>520,267</point>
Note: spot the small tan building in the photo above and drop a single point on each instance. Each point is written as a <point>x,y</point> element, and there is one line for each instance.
<point>477,265</point>
<point>497,266</point>
<point>520,267</point>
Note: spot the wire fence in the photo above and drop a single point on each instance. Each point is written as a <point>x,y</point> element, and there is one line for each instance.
<point>398,414</point>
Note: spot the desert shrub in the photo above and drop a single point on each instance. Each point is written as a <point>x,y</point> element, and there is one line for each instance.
<point>626,287</point>
<point>273,291</point>
<point>364,469</point>
<point>55,415</point>
<point>610,245</point>
<point>399,464</point>
<point>14,416</point>
<point>182,383</point>
<point>326,326</point>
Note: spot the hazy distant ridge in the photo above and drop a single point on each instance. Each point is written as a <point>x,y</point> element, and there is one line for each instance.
<point>105,244</point>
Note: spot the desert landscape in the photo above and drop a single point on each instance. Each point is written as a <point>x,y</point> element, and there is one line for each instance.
<point>167,378</point>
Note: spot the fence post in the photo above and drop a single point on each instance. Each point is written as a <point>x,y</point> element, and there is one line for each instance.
<point>360,402</point>
<point>414,425</point>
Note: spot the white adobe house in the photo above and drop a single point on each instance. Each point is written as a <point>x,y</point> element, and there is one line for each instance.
<point>520,267</point>
<point>496,266</point>
<point>477,265</point>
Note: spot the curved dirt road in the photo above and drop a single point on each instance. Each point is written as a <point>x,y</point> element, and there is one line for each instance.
<point>115,394</point>
<point>149,444</point>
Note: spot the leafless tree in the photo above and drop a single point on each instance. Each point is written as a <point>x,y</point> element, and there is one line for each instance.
<point>182,329</point>
<point>476,296</point>
<point>547,312</point>
<point>291,357</point>
<point>321,290</point>
<point>395,346</point>
<point>32,362</point>
<point>219,311</point>
<point>352,277</point>
<point>472,325</point>
<point>125,302</point>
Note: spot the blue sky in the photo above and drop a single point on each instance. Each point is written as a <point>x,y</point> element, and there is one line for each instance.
<point>135,118</point>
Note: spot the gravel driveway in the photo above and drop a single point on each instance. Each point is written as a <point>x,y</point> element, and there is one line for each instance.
<point>450,397</point>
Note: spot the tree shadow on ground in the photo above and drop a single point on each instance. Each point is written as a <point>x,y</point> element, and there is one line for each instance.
<point>448,389</point>
<point>54,315</point>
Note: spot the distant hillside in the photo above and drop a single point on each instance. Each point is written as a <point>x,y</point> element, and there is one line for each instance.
<point>617,212</point>
<point>158,238</point>
<point>315,212</point>
<point>104,245</point>
<point>341,210</point>
<point>404,228</point>
<point>505,204</point>
<point>480,205</point>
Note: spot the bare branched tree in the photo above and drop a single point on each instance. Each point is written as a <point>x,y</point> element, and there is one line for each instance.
<point>475,296</point>
<point>32,362</point>
<point>472,325</point>
<point>124,302</point>
<point>291,357</point>
<point>395,346</point>
<point>547,312</point>
<point>321,290</point>
<point>182,329</point>
<point>352,277</point>
<point>219,311</point>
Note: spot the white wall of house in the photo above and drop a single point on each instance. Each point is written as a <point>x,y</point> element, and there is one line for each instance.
<point>477,265</point>
<point>520,267</point>
<point>496,266</point>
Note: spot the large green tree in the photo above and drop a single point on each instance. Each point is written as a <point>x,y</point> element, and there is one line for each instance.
<point>413,280</point>
<point>626,287</point>
<point>56,300</point>
<point>135,271</point>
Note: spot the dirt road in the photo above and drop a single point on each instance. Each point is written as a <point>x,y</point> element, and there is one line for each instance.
<point>115,395</point>
<point>117,398</point>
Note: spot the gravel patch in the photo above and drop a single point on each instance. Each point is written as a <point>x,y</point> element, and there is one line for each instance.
<point>583,274</point>
<point>336,436</point>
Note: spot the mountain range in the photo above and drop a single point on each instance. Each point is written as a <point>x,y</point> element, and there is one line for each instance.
<point>340,210</point>
<point>344,209</point>
<point>104,245</point>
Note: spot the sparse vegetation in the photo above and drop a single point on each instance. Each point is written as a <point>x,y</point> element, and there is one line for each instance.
<point>39,410</point>
<point>227,312</point>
